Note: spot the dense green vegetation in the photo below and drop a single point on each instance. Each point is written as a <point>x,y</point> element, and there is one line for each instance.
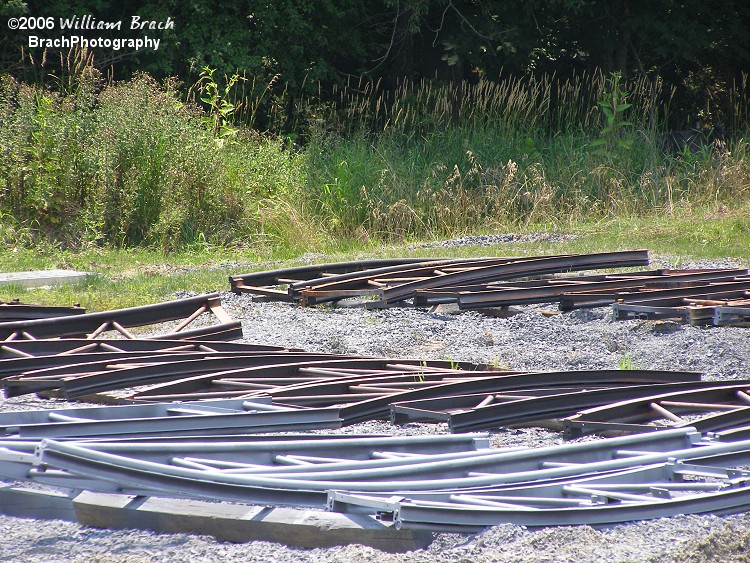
<point>348,124</point>
<point>99,163</point>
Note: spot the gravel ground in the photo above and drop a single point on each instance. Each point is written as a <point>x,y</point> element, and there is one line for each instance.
<point>530,340</point>
<point>489,240</point>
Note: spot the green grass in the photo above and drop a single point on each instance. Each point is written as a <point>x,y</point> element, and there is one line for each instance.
<point>702,235</point>
<point>123,277</point>
<point>129,164</point>
<point>126,278</point>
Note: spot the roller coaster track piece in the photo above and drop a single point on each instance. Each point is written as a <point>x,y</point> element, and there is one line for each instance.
<point>92,325</point>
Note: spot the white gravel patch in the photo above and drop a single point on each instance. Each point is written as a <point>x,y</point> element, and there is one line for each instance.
<point>503,238</point>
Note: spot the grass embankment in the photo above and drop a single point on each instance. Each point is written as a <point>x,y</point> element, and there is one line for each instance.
<point>132,181</point>
<point>126,278</point>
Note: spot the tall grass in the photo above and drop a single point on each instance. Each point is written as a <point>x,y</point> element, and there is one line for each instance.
<point>447,159</point>
<point>97,163</point>
<point>513,104</point>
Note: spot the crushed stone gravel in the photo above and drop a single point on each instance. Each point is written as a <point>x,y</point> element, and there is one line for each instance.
<point>528,340</point>
<point>504,238</point>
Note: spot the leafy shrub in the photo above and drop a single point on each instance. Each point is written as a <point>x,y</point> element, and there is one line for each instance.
<point>130,164</point>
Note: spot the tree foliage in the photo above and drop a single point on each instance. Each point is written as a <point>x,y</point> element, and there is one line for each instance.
<point>699,48</point>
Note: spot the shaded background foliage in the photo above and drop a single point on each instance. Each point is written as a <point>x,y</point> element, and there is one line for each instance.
<point>699,48</point>
<point>303,123</point>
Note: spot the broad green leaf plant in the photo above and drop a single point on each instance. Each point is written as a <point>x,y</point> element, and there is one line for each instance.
<point>220,109</point>
<point>613,107</point>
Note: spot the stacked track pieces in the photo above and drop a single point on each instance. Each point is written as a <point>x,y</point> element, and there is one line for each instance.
<point>717,304</point>
<point>703,296</point>
<point>439,483</point>
<point>399,284</point>
<point>95,325</point>
<point>16,311</point>
<point>203,433</point>
<point>344,390</point>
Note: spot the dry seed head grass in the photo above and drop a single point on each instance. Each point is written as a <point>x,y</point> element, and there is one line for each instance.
<point>289,224</point>
<point>515,103</point>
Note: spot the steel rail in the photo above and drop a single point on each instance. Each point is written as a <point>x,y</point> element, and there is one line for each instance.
<point>659,480</point>
<point>14,419</point>
<point>17,464</point>
<point>93,324</point>
<point>506,467</point>
<point>656,463</point>
<point>69,346</point>
<point>551,290</point>
<point>362,283</point>
<point>552,280</point>
<point>632,415</point>
<point>396,388</point>
<point>17,456</point>
<point>263,449</point>
<point>521,268</point>
<point>323,391</point>
<point>414,270</point>
<point>223,331</point>
<point>136,370</point>
<point>313,467</point>
<point>700,309</point>
<point>644,311</point>
<point>520,407</point>
<point>427,297</point>
<point>397,281</point>
<point>20,367</point>
<point>210,368</point>
<point>71,365</point>
<point>617,491</point>
<point>572,301</point>
<point>726,423</point>
<point>473,518</point>
<point>262,282</point>
<point>524,411</point>
<point>468,382</point>
<point>78,379</point>
<point>466,464</point>
<point>183,482</point>
<point>301,466</point>
<point>460,383</point>
<point>726,315</point>
<point>17,311</point>
<point>438,408</point>
<point>599,487</point>
<point>423,369</point>
<point>193,424</point>
<point>380,407</point>
<point>347,286</point>
<point>662,477</point>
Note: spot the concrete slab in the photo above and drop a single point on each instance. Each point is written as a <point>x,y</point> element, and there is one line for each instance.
<point>243,523</point>
<point>41,278</point>
<point>39,504</point>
